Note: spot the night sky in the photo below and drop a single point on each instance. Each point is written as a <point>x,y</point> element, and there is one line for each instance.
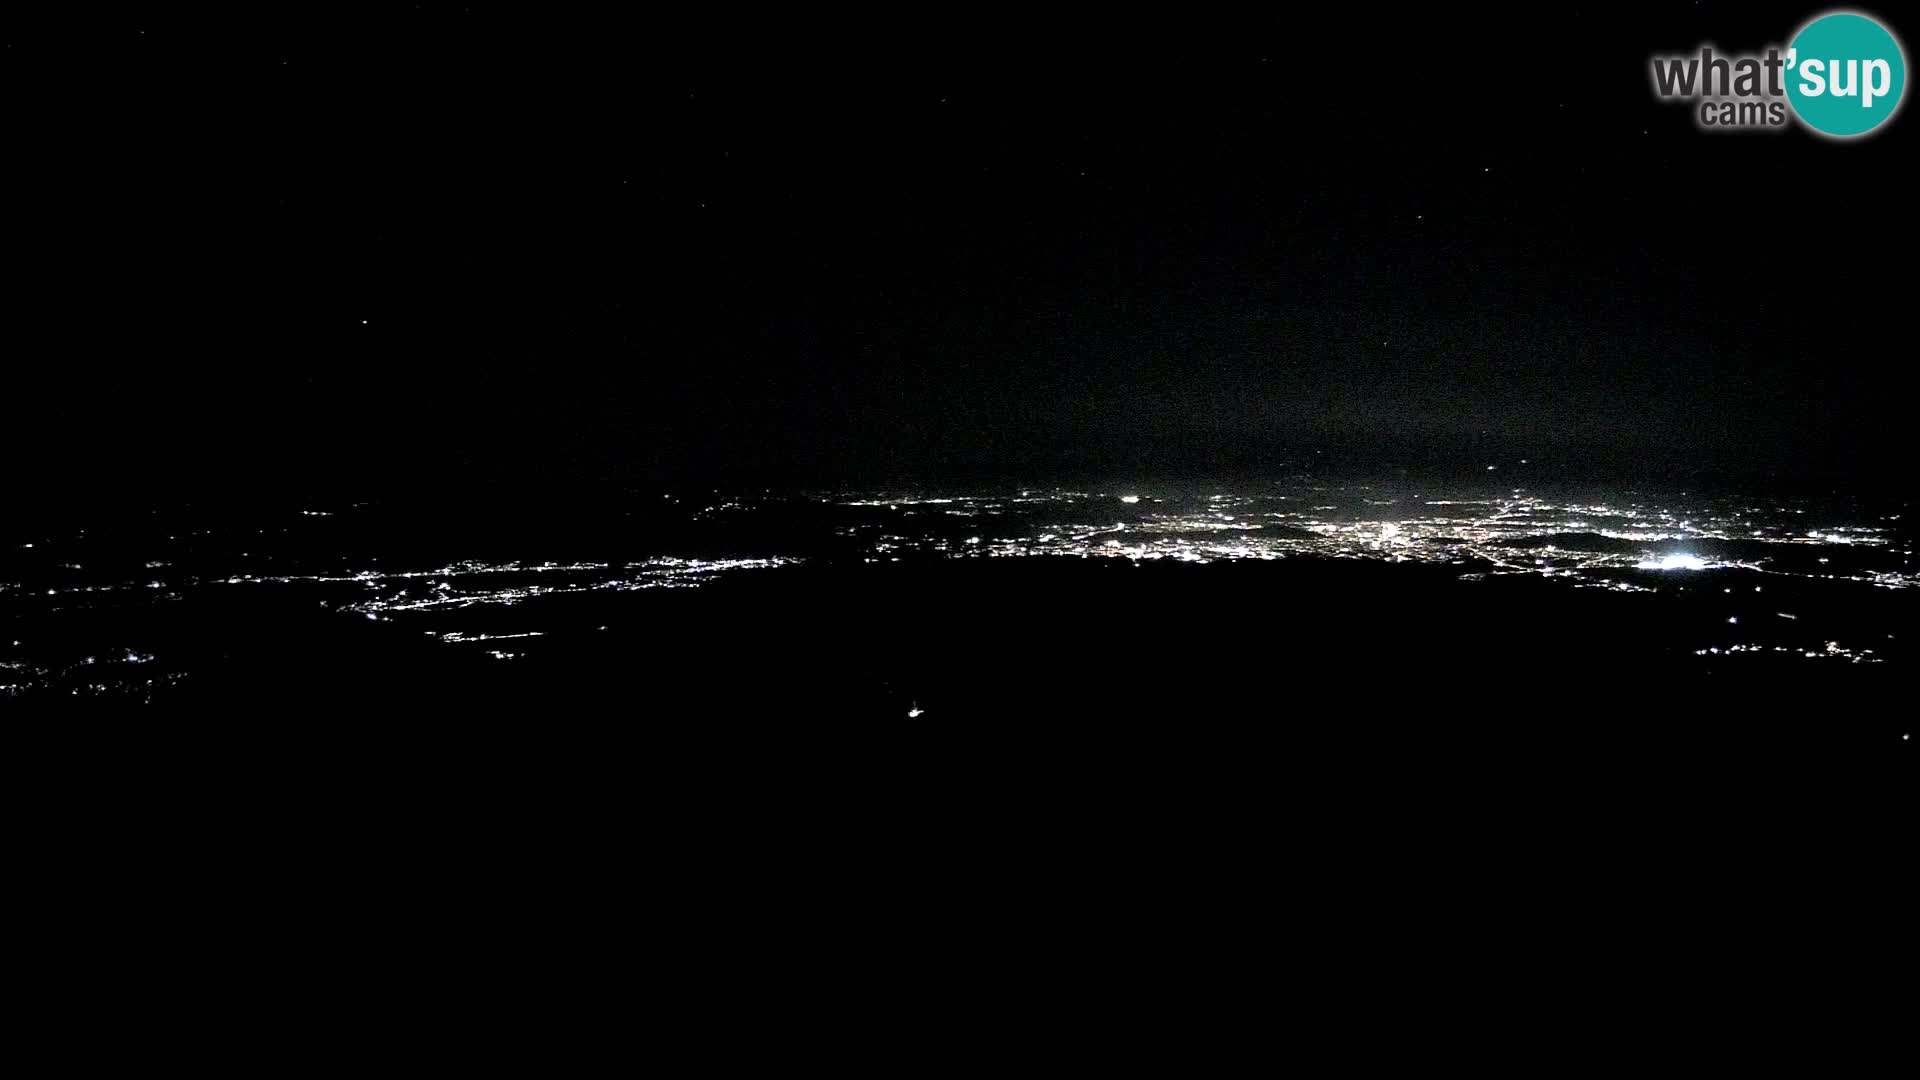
<point>448,249</point>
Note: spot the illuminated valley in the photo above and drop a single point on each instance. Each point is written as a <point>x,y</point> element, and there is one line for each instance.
<point>1766,559</point>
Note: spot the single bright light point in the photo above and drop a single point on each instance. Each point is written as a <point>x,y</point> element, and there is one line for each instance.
<point>915,711</point>
<point>1129,498</point>
<point>1674,562</point>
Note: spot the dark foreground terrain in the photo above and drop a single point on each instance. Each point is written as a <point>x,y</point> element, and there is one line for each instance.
<point>936,809</point>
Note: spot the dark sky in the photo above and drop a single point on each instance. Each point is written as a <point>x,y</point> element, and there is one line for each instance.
<point>375,250</point>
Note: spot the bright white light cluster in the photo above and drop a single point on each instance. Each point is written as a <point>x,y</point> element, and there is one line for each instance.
<point>1674,562</point>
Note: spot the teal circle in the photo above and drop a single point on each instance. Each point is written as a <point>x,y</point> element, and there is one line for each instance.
<point>1849,50</point>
